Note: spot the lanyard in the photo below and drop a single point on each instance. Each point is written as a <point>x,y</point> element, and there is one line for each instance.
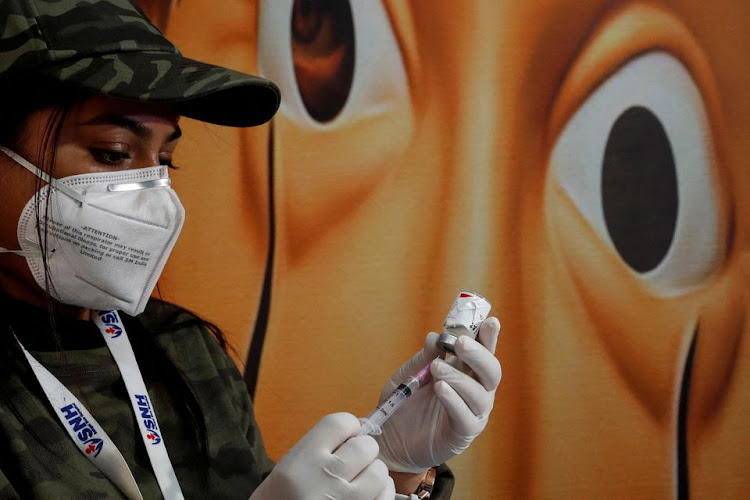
<point>86,432</point>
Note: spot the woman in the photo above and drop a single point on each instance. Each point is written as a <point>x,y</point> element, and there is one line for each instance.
<point>145,403</point>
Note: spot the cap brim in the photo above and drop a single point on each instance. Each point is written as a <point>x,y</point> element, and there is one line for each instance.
<point>199,90</point>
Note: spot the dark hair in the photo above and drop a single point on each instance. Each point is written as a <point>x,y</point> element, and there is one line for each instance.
<point>25,96</point>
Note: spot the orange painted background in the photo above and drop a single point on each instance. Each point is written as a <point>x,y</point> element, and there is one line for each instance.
<point>583,164</point>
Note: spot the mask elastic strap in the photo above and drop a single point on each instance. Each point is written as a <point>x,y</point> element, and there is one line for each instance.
<point>80,198</point>
<point>28,253</point>
<point>23,253</point>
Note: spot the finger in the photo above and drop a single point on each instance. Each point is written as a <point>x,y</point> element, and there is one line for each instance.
<point>351,457</point>
<point>476,397</point>
<point>330,432</point>
<point>488,333</point>
<point>484,364</point>
<point>463,421</point>
<point>389,492</point>
<point>371,481</point>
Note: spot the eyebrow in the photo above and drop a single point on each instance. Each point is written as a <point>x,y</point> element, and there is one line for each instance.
<point>138,128</point>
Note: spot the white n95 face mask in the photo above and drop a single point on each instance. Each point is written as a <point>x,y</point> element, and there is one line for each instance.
<point>108,235</point>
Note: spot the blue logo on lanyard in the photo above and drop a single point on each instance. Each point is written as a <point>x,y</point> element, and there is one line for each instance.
<point>109,318</point>
<point>149,420</point>
<point>83,429</point>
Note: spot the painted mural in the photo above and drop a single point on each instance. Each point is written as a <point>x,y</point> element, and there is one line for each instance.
<point>581,163</point>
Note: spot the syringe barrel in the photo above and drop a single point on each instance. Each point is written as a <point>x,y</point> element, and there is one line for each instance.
<point>393,401</point>
<point>372,424</point>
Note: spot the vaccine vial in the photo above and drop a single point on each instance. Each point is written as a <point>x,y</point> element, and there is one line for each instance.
<point>465,317</point>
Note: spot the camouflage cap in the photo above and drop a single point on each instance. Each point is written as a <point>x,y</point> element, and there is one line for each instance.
<point>109,47</point>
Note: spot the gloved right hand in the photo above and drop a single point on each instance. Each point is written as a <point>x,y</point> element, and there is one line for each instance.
<point>441,419</point>
<point>329,462</point>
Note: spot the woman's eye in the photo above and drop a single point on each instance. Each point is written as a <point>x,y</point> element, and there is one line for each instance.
<point>108,156</point>
<point>637,160</point>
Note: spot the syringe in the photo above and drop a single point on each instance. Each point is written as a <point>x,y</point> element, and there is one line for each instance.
<point>371,424</point>
<point>467,313</point>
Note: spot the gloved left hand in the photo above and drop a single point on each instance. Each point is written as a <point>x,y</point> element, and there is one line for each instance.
<point>443,417</point>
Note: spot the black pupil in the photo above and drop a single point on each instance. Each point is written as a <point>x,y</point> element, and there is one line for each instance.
<point>639,189</point>
<point>323,46</point>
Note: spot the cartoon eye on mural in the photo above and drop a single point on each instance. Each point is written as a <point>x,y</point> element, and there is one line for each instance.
<point>638,162</point>
<point>317,78</point>
<point>582,164</point>
<point>345,105</point>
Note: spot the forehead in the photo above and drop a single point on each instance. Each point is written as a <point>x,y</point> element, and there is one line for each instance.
<point>154,113</point>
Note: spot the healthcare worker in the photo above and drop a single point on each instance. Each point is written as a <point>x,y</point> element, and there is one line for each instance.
<point>105,392</point>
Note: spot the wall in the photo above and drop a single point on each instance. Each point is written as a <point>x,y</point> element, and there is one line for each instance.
<point>580,163</point>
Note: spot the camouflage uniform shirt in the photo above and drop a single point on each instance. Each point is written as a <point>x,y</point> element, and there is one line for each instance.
<point>213,443</point>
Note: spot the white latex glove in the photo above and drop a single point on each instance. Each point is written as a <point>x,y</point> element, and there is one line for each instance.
<point>443,417</point>
<point>328,463</point>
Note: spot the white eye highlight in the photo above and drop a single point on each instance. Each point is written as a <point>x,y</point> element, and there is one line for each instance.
<point>637,160</point>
